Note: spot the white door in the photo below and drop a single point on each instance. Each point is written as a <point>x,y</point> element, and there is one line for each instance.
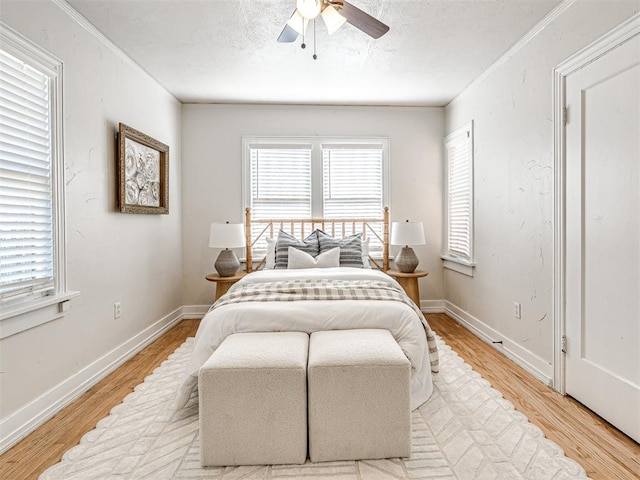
<point>602,270</point>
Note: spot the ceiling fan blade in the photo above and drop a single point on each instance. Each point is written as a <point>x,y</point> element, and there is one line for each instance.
<point>288,35</point>
<point>363,21</point>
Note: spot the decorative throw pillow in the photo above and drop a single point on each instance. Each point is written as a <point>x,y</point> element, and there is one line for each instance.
<point>270,259</point>
<point>350,248</point>
<point>365,253</point>
<point>309,245</point>
<point>300,259</point>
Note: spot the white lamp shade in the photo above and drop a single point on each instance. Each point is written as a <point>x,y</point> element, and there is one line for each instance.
<point>332,19</point>
<point>407,233</point>
<point>298,23</point>
<point>226,235</point>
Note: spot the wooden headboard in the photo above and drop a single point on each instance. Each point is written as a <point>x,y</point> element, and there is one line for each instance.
<point>334,227</point>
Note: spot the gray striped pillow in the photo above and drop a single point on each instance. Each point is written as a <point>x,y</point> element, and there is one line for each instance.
<point>309,245</point>
<point>350,248</point>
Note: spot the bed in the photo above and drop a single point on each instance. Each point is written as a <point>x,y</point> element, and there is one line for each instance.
<point>344,294</point>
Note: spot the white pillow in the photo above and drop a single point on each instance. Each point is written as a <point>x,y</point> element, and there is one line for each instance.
<point>270,262</point>
<point>300,259</point>
<point>365,254</point>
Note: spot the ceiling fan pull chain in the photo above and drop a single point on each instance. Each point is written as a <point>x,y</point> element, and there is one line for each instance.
<point>304,30</point>
<point>315,57</point>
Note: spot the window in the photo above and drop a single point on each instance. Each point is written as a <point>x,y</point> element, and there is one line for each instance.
<point>31,195</point>
<point>315,178</point>
<point>458,149</point>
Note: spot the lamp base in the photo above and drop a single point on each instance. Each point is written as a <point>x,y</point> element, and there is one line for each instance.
<point>227,264</point>
<point>407,260</point>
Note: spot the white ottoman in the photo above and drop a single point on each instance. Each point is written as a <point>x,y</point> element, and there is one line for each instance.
<point>359,396</point>
<point>253,400</point>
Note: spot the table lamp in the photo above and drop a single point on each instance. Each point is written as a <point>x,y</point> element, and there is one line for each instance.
<point>407,233</point>
<point>226,235</point>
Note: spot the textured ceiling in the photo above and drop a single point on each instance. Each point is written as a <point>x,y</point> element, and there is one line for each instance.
<point>225,51</point>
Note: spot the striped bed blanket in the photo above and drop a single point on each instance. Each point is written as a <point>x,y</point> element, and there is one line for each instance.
<point>327,289</point>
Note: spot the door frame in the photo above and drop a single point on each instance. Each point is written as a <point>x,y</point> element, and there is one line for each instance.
<point>611,40</point>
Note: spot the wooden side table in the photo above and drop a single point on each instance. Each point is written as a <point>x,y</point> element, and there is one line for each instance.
<point>223,284</point>
<point>409,281</point>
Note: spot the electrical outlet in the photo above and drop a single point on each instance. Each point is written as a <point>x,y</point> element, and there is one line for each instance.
<point>517,310</point>
<point>117,310</point>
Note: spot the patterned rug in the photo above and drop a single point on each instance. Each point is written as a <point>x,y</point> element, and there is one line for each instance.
<point>465,431</point>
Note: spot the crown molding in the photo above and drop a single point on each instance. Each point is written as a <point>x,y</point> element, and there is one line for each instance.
<point>98,35</point>
<point>516,47</point>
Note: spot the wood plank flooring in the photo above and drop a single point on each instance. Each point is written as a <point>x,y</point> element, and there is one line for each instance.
<point>603,451</point>
<point>45,446</point>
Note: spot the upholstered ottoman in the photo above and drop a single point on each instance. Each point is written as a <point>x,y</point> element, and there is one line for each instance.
<point>253,400</point>
<point>359,396</point>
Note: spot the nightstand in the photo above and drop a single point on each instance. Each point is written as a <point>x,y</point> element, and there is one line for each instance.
<point>223,284</point>
<point>409,281</point>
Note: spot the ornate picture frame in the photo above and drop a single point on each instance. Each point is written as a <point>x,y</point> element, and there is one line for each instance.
<point>143,172</point>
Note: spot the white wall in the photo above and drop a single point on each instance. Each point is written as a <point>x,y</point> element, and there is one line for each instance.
<point>514,179</point>
<point>133,259</point>
<point>212,172</point>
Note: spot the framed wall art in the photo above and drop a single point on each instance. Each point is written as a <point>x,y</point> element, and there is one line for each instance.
<point>143,172</point>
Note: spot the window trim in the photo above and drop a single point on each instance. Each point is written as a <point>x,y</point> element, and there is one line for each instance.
<point>316,163</point>
<point>24,49</point>
<point>451,261</point>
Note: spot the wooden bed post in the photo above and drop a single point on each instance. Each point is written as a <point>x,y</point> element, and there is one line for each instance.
<point>247,238</point>
<point>385,242</point>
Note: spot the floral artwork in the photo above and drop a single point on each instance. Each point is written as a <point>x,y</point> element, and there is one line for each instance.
<point>143,173</point>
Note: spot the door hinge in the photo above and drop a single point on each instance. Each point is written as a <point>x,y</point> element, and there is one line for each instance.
<point>564,344</point>
<point>565,115</point>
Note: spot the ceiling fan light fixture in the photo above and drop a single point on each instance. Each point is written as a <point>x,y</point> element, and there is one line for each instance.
<point>332,19</point>
<point>298,23</point>
<point>309,9</point>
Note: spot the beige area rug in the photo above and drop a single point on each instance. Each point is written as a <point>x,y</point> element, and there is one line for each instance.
<point>465,431</point>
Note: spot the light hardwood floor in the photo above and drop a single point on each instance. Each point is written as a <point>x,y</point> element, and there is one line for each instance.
<point>604,452</point>
<point>45,446</point>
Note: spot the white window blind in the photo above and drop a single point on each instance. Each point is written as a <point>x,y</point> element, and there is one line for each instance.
<point>459,188</point>
<point>26,209</point>
<point>352,177</point>
<point>281,181</point>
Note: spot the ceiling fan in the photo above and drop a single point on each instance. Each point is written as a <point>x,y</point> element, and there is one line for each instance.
<point>334,13</point>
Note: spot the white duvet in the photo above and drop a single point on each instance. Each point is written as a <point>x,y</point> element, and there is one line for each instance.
<point>313,315</point>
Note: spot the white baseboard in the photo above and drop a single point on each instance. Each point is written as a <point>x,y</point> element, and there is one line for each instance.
<point>195,311</point>
<point>31,416</point>
<point>432,306</point>
<point>533,364</point>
